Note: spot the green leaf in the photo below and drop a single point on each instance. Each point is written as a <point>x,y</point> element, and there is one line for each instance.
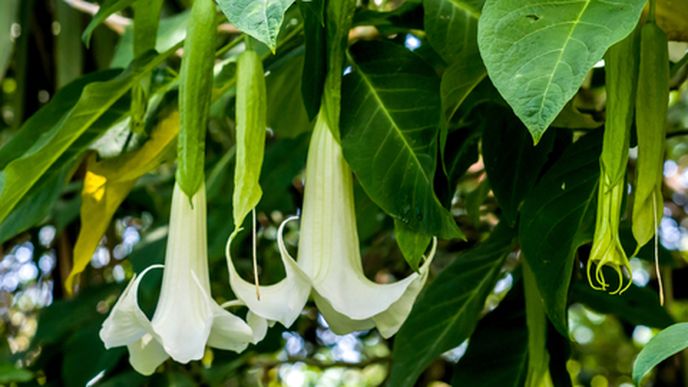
<point>106,9</point>
<point>637,306</point>
<point>452,26</point>
<point>195,92</point>
<point>458,80</point>
<point>667,343</point>
<point>82,345</point>
<point>512,162</point>
<point>286,113</point>
<point>21,173</point>
<point>412,244</point>
<point>448,310</point>
<point>10,374</point>
<point>8,16</point>
<point>497,353</point>
<point>315,62</point>
<point>171,32</point>
<point>261,19</point>
<point>37,204</point>
<point>538,53</point>
<point>389,126</point>
<point>338,19</point>
<point>556,218</point>
<point>51,114</point>
<point>250,135</point>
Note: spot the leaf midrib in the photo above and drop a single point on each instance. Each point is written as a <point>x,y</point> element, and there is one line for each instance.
<point>391,120</point>
<point>574,24</point>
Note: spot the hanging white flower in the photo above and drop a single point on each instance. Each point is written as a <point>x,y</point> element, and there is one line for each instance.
<point>186,318</point>
<point>329,260</point>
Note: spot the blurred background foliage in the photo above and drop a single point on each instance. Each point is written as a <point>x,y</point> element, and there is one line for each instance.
<point>52,339</point>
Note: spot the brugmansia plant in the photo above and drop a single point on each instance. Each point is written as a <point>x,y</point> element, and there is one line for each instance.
<point>399,192</point>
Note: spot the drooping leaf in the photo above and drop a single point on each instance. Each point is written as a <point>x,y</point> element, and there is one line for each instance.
<point>8,15</point>
<point>538,53</point>
<point>637,306</point>
<point>666,344</point>
<point>512,162</point>
<point>452,27</point>
<point>497,353</point>
<point>557,217</point>
<point>411,243</point>
<point>261,19</point>
<point>448,310</point>
<point>107,184</point>
<point>51,114</point>
<point>461,152</point>
<point>390,125</point>
<point>250,135</point>
<point>21,173</point>
<point>195,92</point>
<point>106,9</point>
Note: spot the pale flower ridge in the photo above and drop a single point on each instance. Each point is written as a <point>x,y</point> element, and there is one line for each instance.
<point>186,318</point>
<point>329,260</point>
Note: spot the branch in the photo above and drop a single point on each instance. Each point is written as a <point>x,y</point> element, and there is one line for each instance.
<point>676,133</point>
<point>119,23</point>
<point>115,22</point>
<point>317,363</point>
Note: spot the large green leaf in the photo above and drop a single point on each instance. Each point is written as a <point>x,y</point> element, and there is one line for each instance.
<point>261,19</point>
<point>389,126</point>
<point>458,80</point>
<point>512,162</point>
<point>49,116</point>
<point>446,313</point>
<point>21,173</point>
<point>37,204</point>
<point>497,353</point>
<point>556,218</point>
<point>667,343</point>
<point>537,53</point>
<point>452,26</point>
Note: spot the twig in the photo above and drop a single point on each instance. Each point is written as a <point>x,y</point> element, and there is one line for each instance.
<point>119,23</point>
<point>115,22</point>
<point>676,133</point>
<point>318,363</point>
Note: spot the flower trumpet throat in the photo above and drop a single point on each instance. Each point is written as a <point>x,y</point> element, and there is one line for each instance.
<point>329,263</point>
<point>186,318</point>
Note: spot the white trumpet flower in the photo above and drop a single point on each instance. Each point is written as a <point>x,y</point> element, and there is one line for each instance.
<point>186,317</point>
<point>329,260</point>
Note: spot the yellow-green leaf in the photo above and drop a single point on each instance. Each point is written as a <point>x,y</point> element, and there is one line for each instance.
<point>106,185</point>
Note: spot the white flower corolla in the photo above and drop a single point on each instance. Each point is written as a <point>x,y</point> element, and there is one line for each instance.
<point>186,318</point>
<point>329,261</point>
